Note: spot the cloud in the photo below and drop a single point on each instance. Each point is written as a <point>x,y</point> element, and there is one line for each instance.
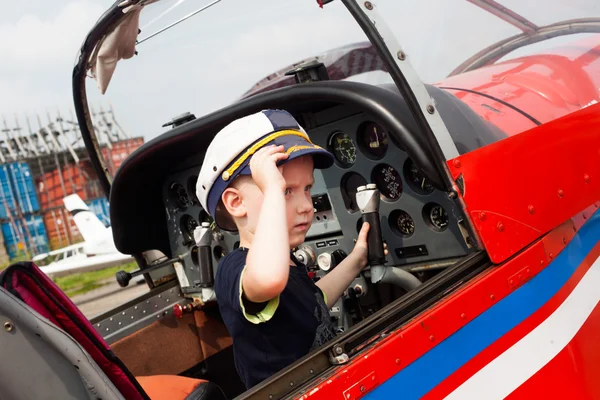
<point>38,56</point>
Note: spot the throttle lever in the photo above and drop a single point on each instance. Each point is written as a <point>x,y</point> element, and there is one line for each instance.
<point>367,199</point>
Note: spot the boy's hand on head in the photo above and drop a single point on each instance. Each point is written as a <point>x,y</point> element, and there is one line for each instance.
<point>265,172</point>
<point>361,248</point>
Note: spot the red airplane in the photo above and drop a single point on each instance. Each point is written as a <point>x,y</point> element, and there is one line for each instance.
<point>487,184</point>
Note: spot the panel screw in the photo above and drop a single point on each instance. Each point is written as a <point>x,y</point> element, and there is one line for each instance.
<point>291,383</point>
<point>584,216</point>
<point>362,389</point>
<point>457,163</point>
<point>8,326</point>
<point>368,5</point>
<point>463,316</point>
<point>482,216</point>
<point>397,361</point>
<point>511,282</point>
<point>565,240</point>
<point>430,109</point>
<point>586,178</point>
<point>500,227</point>
<point>531,209</point>
<point>432,338</point>
<point>551,255</point>
<point>401,55</point>
<point>339,350</point>
<point>560,193</point>
<point>492,297</point>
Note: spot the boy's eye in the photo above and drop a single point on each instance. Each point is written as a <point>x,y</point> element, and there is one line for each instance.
<point>288,191</point>
<point>308,188</point>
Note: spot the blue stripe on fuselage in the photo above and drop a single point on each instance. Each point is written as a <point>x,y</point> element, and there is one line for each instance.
<point>433,367</point>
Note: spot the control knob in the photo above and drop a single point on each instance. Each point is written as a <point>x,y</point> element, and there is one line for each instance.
<point>306,255</point>
<point>328,261</point>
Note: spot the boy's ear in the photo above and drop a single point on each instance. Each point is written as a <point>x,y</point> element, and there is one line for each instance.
<point>232,200</point>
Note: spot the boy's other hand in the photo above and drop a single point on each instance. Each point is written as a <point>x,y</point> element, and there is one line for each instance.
<point>361,248</point>
<point>265,172</point>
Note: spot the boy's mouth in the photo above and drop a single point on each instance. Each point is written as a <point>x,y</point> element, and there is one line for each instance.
<point>302,226</point>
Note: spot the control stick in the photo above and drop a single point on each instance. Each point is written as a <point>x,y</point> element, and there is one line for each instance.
<point>367,199</point>
<point>123,277</point>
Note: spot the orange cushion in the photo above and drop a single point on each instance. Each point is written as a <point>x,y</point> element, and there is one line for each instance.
<point>174,387</point>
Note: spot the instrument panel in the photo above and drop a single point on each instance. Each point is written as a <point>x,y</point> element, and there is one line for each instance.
<point>418,222</point>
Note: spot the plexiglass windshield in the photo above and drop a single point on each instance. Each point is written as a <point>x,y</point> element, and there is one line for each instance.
<point>235,48</point>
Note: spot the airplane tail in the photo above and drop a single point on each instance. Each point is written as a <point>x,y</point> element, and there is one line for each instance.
<point>90,226</point>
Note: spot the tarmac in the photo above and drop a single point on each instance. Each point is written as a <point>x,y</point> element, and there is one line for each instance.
<point>108,297</point>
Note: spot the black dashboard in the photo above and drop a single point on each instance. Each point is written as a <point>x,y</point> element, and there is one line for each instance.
<point>419,223</point>
<point>374,139</point>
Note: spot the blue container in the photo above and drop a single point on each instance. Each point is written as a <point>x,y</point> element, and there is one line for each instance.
<point>24,188</point>
<point>7,197</point>
<point>100,207</point>
<point>17,241</point>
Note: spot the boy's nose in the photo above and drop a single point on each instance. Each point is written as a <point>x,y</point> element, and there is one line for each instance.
<point>305,205</point>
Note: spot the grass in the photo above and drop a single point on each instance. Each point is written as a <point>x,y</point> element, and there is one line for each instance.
<point>76,284</point>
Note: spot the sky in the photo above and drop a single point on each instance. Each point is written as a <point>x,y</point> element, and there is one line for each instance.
<point>210,60</point>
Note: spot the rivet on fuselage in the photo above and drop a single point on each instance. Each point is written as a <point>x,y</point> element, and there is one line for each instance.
<point>531,209</point>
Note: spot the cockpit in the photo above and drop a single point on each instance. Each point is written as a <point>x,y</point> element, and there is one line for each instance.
<point>384,138</point>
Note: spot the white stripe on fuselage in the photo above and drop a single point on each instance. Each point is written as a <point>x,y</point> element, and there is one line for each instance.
<point>520,362</point>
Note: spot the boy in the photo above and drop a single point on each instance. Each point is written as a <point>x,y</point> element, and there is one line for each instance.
<point>256,179</point>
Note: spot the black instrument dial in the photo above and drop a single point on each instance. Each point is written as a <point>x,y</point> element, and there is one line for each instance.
<point>179,195</point>
<point>416,179</point>
<point>343,149</point>
<point>373,140</point>
<point>188,224</point>
<point>350,182</point>
<point>388,181</point>
<point>402,223</point>
<point>435,216</point>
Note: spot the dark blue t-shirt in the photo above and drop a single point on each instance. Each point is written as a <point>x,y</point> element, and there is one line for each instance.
<point>270,336</point>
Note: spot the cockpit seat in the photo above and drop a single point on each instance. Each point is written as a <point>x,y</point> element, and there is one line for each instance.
<point>45,335</point>
<point>159,387</point>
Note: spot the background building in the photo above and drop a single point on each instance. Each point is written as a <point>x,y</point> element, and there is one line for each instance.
<point>42,160</point>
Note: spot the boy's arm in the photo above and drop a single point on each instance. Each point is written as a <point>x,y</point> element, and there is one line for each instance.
<point>335,282</point>
<point>268,261</point>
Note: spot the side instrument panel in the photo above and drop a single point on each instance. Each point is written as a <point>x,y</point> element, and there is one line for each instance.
<point>419,223</point>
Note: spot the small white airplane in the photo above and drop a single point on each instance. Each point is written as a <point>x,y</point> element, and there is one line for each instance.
<point>97,251</point>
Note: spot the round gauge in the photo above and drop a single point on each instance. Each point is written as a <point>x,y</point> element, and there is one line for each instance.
<point>401,223</point>
<point>343,149</point>
<point>415,178</point>
<point>350,182</point>
<point>388,181</point>
<point>179,195</point>
<point>373,140</point>
<point>191,187</point>
<point>435,216</point>
<point>187,226</point>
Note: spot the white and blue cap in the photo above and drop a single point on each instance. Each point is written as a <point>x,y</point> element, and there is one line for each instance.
<point>228,155</point>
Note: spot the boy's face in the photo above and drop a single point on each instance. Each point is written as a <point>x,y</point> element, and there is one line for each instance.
<point>298,175</point>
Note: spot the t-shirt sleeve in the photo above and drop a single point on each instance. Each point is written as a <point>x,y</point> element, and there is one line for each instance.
<point>229,281</point>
